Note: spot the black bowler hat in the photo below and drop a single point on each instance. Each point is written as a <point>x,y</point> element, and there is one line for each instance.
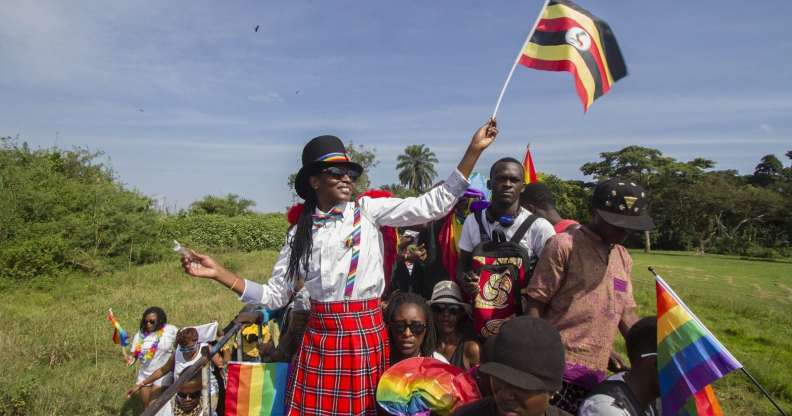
<point>622,204</point>
<point>526,353</point>
<point>319,153</point>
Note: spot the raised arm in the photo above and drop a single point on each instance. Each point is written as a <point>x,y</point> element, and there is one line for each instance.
<point>432,205</point>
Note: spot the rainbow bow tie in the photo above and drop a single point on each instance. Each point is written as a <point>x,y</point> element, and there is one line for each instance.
<point>323,218</point>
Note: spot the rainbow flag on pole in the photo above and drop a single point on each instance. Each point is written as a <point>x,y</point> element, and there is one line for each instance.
<point>120,336</point>
<point>689,358</point>
<point>256,389</point>
<point>528,165</point>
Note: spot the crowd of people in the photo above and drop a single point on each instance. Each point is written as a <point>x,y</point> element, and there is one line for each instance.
<point>525,301</point>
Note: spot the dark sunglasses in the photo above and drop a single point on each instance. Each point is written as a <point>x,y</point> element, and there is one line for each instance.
<point>188,349</point>
<point>193,395</point>
<point>151,321</point>
<point>251,337</point>
<point>417,328</point>
<point>338,172</point>
<point>445,307</point>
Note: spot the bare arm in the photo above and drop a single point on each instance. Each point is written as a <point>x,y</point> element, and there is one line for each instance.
<point>472,354</point>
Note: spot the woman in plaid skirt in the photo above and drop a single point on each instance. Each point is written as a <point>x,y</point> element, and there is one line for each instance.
<point>336,249</point>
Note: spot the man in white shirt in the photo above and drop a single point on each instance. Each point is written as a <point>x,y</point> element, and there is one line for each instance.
<point>504,214</point>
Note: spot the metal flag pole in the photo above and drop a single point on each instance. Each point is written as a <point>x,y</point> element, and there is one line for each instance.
<point>742,368</point>
<point>517,60</point>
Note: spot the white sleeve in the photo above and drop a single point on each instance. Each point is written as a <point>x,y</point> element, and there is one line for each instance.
<point>276,292</point>
<point>470,234</point>
<point>397,212</point>
<point>542,230</point>
<point>600,405</point>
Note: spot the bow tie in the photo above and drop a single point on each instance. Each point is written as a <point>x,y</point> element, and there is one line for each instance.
<point>323,218</point>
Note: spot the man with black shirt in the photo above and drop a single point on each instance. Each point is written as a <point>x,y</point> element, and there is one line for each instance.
<point>521,382</point>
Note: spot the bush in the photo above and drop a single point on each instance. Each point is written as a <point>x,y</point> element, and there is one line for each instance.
<point>218,232</point>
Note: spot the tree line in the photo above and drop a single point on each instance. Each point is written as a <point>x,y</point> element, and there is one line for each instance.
<point>64,210</point>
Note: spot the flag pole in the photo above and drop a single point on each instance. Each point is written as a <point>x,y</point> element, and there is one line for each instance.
<point>762,389</point>
<point>517,60</point>
<point>742,368</point>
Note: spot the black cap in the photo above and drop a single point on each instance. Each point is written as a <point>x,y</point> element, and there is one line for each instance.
<point>622,204</point>
<point>318,154</point>
<point>526,353</point>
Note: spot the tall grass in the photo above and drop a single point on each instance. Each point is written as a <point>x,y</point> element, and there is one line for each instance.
<point>57,357</point>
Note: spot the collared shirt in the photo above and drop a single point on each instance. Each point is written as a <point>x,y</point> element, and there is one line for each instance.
<point>586,287</point>
<point>533,240</point>
<point>330,257</point>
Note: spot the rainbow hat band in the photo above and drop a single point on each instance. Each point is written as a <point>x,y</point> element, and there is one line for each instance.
<point>420,386</point>
<point>333,157</point>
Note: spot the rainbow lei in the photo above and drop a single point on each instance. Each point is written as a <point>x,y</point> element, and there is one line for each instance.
<point>137,350</point>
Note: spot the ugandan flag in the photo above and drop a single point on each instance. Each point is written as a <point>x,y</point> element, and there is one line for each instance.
<point>569,38</point>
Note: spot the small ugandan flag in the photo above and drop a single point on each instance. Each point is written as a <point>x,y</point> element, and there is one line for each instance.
<point>569,38</point>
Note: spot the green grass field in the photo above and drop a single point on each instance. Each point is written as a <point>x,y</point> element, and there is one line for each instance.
<point>57,357</point>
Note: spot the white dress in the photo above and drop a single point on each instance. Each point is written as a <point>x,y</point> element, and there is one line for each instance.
<point>164,351</point>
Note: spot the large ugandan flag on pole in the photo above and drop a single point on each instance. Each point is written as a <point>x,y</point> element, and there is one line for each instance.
<point>569,38</point>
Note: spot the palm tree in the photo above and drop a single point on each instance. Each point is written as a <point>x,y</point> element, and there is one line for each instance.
<point>416,167</point>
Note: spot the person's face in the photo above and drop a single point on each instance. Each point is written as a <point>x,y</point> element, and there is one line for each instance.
<point>447,316</point>
<point>408,330</point>
<point>609,233</point>
<point>150,322</point>
<point>189,395</point>
<point>506,183</point>
<point>335,184</point>
<point>514,401</point>
<point>189,349</point>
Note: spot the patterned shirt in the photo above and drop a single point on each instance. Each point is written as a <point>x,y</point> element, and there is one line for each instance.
<point>330,256</point>
<point>586,288</point>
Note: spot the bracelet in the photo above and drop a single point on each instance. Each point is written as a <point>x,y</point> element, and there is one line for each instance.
<point>235,283</point>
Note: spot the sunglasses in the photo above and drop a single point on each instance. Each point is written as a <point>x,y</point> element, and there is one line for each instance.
<point>151,321</point>
<point>251,337</point>
<point>187,349</point>
<point>445,307</point>
<point>193,395</point>
<point>416,328</point>
<point>338,172</point>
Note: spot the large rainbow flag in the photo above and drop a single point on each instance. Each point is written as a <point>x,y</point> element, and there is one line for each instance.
<point>256,389</point>
<point>120,336</point>
<point>689,357</point>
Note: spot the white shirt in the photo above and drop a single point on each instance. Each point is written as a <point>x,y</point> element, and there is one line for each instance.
<point>604,405</point>
<point>533,240</point>
<point>330,257</point>
<point>164,351</point>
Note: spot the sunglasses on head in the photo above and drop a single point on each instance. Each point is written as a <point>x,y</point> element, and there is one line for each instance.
<point>446,307</point>
<point>193,395</point>
<point>417,328</point>
<point>338,172</point>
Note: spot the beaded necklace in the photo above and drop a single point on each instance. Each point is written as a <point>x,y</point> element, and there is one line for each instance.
<point>137,350</point>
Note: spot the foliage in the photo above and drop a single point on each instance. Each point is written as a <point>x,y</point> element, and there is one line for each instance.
<point>230,205</point>
<point>218,232</point>
<point>367,158</point>
<point>572,198</point>
<point>416,167</point>
<point>399,190</point>
<point>66,210</point>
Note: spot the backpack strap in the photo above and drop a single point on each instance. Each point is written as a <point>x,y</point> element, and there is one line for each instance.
<point>482,232</point>
<point>520,233</point>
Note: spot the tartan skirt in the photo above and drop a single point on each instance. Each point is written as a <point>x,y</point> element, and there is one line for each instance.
<point>343,354</point>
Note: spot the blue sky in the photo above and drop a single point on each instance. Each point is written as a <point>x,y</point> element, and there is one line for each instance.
<point>187,100</point>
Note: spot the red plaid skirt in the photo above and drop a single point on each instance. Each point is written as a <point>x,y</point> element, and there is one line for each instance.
<point>343,354</point>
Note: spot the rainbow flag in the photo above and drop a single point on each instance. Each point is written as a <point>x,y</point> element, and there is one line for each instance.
<point>528,165</point>
<point>689,357</point>
<point>120,336</point>
<point>420,386</point>
<point>256,389</point>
